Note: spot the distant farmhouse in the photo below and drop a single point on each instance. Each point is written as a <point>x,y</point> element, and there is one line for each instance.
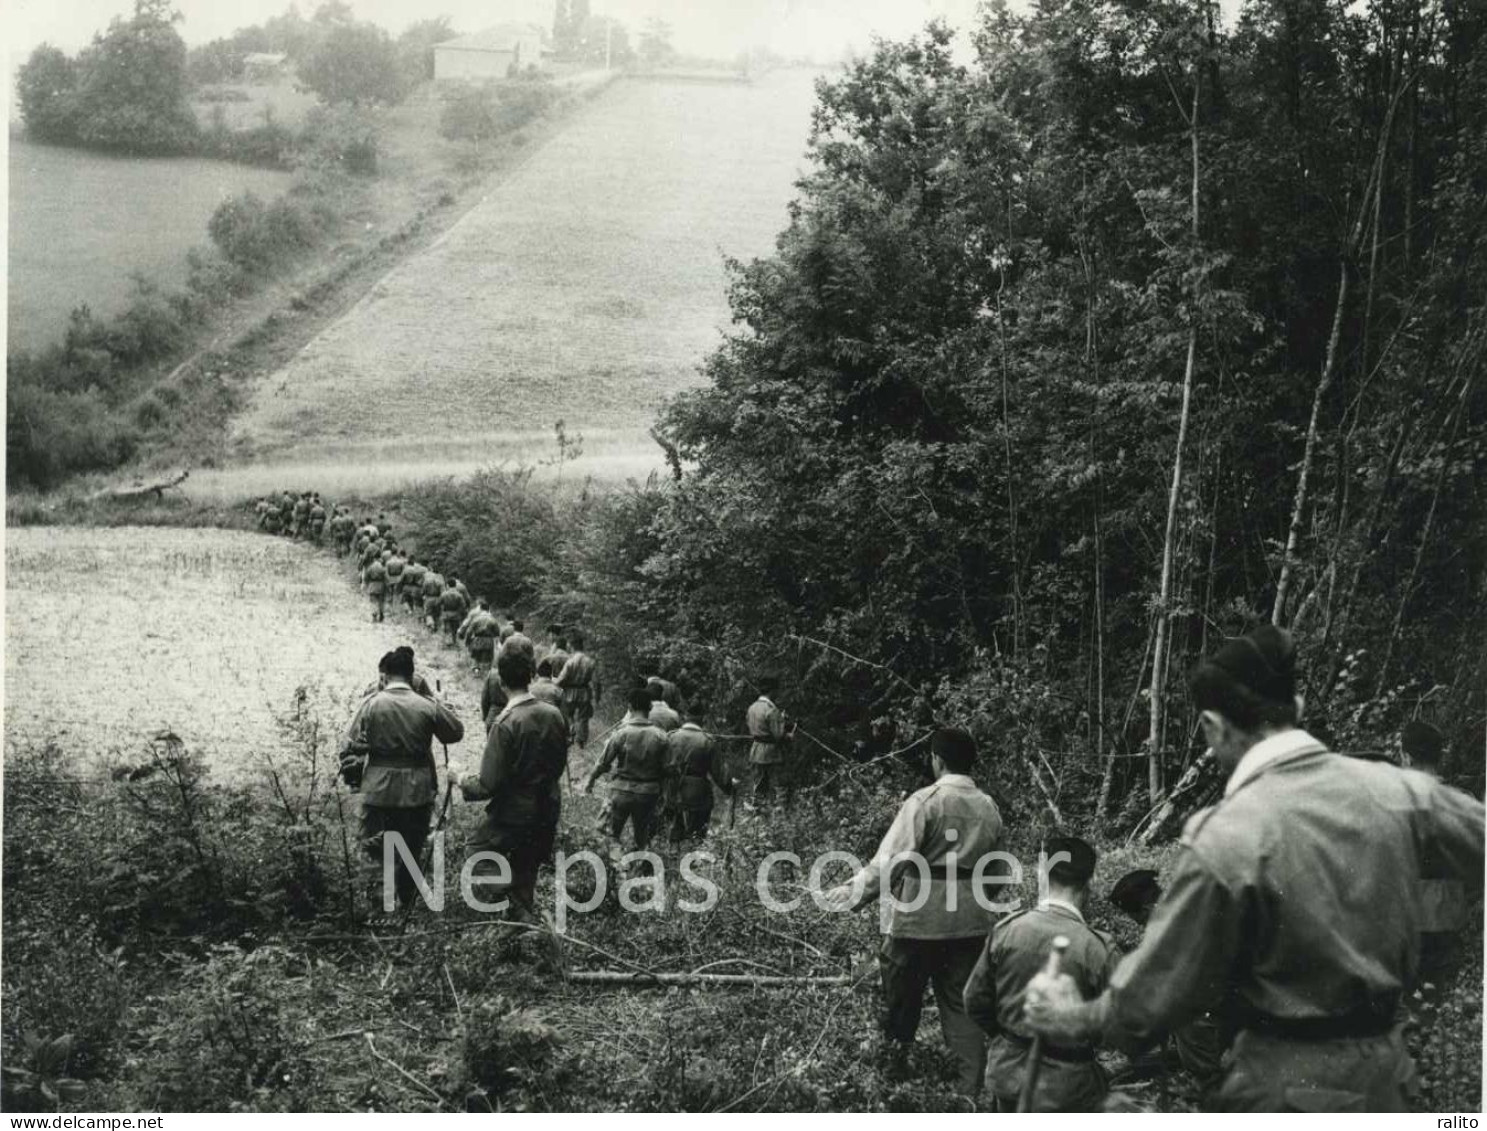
<point>496,53</point>
<point>265,66</point>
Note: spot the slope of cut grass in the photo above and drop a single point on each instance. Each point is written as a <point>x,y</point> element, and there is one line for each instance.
<point>587,286</point>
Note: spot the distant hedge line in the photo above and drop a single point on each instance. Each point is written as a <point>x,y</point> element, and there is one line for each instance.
<point>83,404</point>
<point>90,402</point>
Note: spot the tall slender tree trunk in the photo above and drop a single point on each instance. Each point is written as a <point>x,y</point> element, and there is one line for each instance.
<point>1103,754</point>
<point>1329,367</point>
<point>1435,498</point>
<point>1161,645</point>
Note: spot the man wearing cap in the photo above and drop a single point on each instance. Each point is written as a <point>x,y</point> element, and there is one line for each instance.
<point>1200,1043</point>
<point>934,936</point>
<point>388,752</point>
<point>1297,895</point>
<point>1070,1078</point>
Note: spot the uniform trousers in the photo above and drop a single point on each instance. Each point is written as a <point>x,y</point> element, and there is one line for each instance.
<point>907,968</point>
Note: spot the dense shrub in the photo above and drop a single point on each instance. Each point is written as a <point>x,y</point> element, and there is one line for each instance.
<point>271,145</point>
<point>493,530</point>
<point>341,138</point>
<point>263,237</point>
<point>491,110</point>
<point>51,434</point>
<point>47,92</point>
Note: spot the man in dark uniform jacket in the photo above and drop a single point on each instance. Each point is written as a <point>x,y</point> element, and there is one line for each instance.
<point>526,753</point>
<point>1297,895</point>
<point>1070,1078</point>
<point>695,767</point>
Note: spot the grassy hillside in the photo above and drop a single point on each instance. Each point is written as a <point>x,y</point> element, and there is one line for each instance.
<point>585,286</point>
<point>82,224</point>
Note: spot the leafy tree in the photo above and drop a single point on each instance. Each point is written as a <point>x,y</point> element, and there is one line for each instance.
<point>356,63</point>
<point>133,85</point>
<point>655,48</point>
<point>600,39</point>
<point>416,48</point>
<point>935,463</point>
<point>47,89</point>
<point>219,61</point>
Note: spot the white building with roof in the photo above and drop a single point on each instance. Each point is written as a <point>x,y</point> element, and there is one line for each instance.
<point>496,53</point>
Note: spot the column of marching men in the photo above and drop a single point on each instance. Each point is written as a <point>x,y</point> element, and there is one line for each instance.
<point>1304,909</point>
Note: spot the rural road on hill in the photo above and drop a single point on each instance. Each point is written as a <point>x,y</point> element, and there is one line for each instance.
<point>587,285</point>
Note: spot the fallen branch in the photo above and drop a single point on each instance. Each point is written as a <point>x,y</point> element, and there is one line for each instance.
<point>405,1074</point>
<point>138,490</point>
<point>626,978</point>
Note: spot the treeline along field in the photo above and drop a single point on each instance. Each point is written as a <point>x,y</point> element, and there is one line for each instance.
<point>83,224</point>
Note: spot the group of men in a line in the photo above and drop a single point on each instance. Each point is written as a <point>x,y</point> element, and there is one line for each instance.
<point>1294,926</point>
<point>1278,958</point>
<point>301,516</point>
<point>387,754</point>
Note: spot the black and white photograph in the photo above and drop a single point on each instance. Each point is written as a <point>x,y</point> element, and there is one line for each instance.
<point>743,556</point>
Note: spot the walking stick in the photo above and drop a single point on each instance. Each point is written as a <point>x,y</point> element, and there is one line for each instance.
<point>1035,1058</point>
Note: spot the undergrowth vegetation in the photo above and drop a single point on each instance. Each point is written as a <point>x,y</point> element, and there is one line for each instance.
<point>174,944</point>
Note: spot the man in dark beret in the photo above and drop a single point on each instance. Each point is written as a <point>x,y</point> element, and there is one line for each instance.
<point>1294,897</point>
<point>1200,1043</point>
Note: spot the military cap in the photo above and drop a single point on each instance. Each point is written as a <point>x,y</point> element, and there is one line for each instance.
<point>1262,661</point>
<point>1135,890</point>
<point>1422,742</point>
